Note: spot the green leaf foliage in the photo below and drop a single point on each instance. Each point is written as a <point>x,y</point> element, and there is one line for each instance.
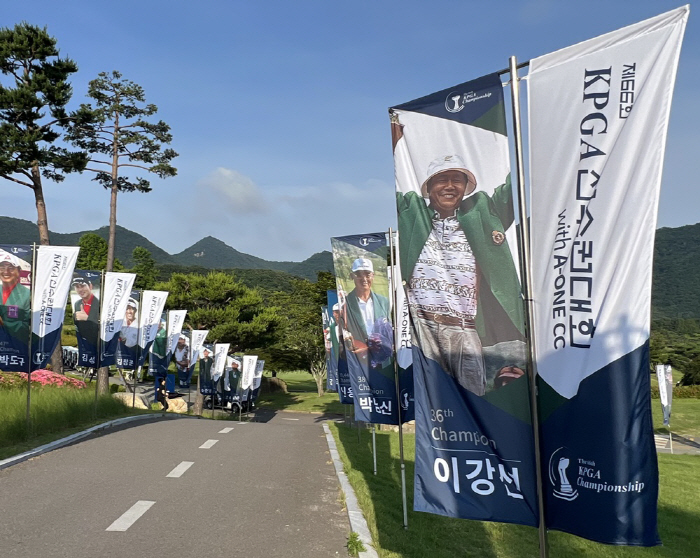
<point>34,93</point>
<point>231,312</point>
<point>93,253</point>
<point>144,268</point>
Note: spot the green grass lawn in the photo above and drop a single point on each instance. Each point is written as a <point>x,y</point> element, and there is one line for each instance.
<point>55,413</point>
<point>685,418</point>
<point>435,536</point>
<point>302,396</point>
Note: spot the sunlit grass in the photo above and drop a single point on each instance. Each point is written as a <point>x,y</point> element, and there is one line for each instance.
<point>440,537</point>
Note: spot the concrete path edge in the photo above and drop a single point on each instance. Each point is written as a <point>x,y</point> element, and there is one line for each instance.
<point>358,524</point>
<point>10,461</point>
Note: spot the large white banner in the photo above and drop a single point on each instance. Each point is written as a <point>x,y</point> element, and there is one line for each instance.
<point>114,301</point>
<point>198,338</point>
<point>176,319</point>
<point>598,120</point>
<point>152,304</point>
<point>220,353</point>
<point>248,374</point>
<point>52,281</point>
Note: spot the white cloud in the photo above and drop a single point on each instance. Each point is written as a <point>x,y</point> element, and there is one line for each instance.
<point>228,189</point>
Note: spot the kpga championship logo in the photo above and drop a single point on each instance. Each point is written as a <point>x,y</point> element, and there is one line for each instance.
<point>587,477</point>
<point>558,465</point>
<point>365,240</point>
<point>456,101</point>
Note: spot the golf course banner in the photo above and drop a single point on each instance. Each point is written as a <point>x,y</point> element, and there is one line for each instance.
<point>360,263</point>
<point>231,378</point>
<point>220,361</point>
<point>15,311</point>
<point>331,379</point>
<point>475,455</point>
<point>196,344</point>
<point>257,380</point>
<point>206,369</point>
<point>598,118</point>
<point>117,291</point>
<point>247,375</point>
<point>176,319</point>
<point>52,282</point>
<point>664,375</point>
<point>333,316</point>
<point>128,347</point>
<point>152,304</point>
<point>85,299</point>
<point>337,303</point>
<point>159,359</point>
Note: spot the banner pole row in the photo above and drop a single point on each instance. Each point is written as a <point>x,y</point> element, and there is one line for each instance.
<point>99,343</point>
<point>524,245</point>
<point>32,275</point>
<point>374,448</point>
<point>395,315</point>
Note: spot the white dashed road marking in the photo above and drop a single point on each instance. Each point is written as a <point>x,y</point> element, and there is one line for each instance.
<point>283,418</point>
<point>208,444</point>
<point>225,430</point>
<point>130,516</point>
<point>178,471</point>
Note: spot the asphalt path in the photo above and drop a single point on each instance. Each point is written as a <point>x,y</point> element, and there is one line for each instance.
<point>180,487</point>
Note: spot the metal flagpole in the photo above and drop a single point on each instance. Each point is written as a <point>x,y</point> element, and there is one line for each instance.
<point>29,340</point>
<point>524,252</point>
<point>395,315</point>
<point>137,373</point>
<point>374,447</point>
<point>99,341</point>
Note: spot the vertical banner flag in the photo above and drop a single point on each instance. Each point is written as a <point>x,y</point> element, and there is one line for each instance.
<point>115,298</point>
<point>474,439</point>
<point>196,343</point>
<point>220,354</point>
<point>85,299</point>
<point>52,281</point>
<point>159,358</point>
<point>15,311</point>
<point>368,336</point>
<point>327,344</point>
<point>404,345</point>
<point>257,379</point>
<point>247,375</point>
<point>152,304</point>
<point>598,116</point>
<point>128,347</point>
<point>231,377</point>
<point>334,336</point>
<point>176,319</point>
<point>664,375</point>
<point>206,369</point>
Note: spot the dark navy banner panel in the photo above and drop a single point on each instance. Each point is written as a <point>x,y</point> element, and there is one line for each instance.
<point>85,298</point>
<point>606,423</point>
<point>128,347</point>
<point>457,249</point>
<point>473,460</point>
<point>159,359</point>
<point>15,310</point>
<point>360,263</point>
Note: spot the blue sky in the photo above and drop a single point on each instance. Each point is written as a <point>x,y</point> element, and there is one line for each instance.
<point>279,109</point>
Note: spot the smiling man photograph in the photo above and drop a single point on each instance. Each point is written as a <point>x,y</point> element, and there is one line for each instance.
<point>459,268</point>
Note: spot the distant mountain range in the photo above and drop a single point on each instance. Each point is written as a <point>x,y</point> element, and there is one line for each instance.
<point>209,252</point>
<point>676,280</point>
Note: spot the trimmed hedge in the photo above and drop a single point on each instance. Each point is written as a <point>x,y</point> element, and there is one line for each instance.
<point>682,392</point>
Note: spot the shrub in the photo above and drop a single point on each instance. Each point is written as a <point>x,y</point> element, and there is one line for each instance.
<point>681,392</point>
<point>40,378</point>
<point>272,385</point>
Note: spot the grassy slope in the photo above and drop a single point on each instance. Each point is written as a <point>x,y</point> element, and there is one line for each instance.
<point>440,537</point>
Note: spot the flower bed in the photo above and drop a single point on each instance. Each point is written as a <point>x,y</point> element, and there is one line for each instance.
<point>40,378</point>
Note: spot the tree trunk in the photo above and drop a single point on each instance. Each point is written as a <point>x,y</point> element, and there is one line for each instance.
<point>113,197</point>
<point>42,224</point>
<point>198,401</point>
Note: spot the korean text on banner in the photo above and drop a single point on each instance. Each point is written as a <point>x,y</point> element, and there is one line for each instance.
<point>474,439</point>
<point>365,317</point>
<point>152,304</point>
<point>52,282</point>
<point>598,117</point>
<point>117,291</point>
<point>15,310</point>
<point>85,298</point>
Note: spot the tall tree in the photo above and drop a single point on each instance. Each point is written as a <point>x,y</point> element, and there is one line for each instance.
<point>232,312</point>
<point>117,135</point>
<point>34,93</point>
<point>144,268</point>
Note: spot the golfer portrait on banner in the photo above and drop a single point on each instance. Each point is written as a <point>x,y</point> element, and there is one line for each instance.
<point>474,443</point>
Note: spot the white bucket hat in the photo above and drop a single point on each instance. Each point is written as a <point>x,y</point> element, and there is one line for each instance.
<point>449,162</point>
